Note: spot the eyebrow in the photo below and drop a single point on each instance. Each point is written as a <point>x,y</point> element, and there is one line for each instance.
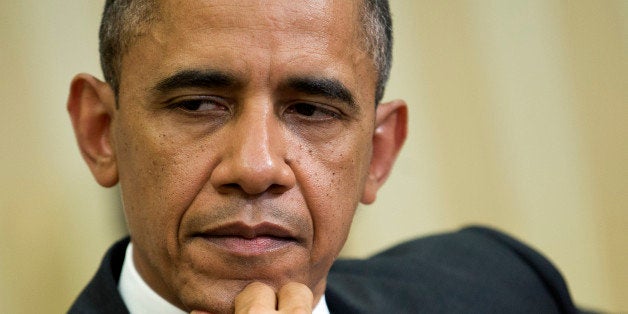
<point>322,86</point>
<point>195,78</point>
<point>330,88</point>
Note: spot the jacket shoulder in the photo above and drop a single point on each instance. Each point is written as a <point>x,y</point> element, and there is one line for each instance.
<point>101,293</point>
<point>474,270</point>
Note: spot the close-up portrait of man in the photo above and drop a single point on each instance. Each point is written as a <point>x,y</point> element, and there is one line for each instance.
<point>243,135</point>
<point>245,143</point>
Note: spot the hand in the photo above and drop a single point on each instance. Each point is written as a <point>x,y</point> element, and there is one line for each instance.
<point>260,298</point>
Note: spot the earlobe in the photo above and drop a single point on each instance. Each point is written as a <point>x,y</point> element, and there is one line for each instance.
<point>391,122</point>
<point>91,105</point>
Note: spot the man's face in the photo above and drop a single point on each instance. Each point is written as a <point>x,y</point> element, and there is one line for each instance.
<point>243,140</point>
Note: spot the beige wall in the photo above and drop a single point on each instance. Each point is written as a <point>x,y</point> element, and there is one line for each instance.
<point>519,116</point>
<point>55,221</point>
<point>519,120</point>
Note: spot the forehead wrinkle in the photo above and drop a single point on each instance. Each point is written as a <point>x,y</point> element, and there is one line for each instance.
<point>317,22</point>
<point>318,18</point>
<point>270,16</point>
<point>313,36</point>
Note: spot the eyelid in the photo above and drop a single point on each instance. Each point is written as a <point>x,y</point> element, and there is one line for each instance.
<point>332,111</point>
<point>177,102</point>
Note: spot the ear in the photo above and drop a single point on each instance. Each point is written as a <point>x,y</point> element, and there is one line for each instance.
<point>391,128</point>
<point>91,105</point>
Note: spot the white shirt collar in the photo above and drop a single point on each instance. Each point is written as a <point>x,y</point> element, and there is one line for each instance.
<point>321,306</point>
<point>137,295</point>
<point>139,298</point>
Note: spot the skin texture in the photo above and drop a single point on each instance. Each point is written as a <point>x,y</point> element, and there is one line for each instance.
<point>244,138</point>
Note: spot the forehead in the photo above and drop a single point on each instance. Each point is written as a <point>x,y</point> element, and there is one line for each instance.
<point>277,24</point>
<point>282,34</point>
<point>316,15</point>
<point>263,24</point>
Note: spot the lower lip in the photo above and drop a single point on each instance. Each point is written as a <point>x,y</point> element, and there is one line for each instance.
<point>249,247</point>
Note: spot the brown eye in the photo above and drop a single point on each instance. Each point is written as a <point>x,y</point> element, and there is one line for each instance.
<point>312,111</point>
<point>305,109</point>
<point>200,105</point>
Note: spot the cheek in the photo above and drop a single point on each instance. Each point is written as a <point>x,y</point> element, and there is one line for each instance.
<point>159,177</point>
<point>333,191</point>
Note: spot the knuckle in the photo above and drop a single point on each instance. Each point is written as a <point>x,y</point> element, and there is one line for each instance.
<point>258,285</point>
<point>256,298</point>
<point>296,290</point>
<point>253,289</point>
<point>298,310</point>
<point>258,309</point>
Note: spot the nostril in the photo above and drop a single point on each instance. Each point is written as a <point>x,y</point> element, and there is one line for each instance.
<point>232,186</point>
<point>277,188</point>
<point>225,188</point>
<point>252,189</point>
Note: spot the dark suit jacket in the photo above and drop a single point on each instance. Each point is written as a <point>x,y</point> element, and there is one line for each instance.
<point>475,270</point>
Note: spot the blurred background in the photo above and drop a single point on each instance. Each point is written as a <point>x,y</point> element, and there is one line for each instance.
<point>518,120</point>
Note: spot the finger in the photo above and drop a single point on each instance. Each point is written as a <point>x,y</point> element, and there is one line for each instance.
<point>295,297</point>
<point>256,297</point>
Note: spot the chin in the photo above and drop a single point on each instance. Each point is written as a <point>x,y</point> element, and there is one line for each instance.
<point>198,291</point>
<point>213,297</point>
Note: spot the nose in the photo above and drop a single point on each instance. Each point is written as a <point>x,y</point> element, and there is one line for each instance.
<point>255,156</point>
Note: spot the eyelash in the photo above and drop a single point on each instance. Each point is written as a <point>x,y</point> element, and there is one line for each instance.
<point>313,108</point>
<point>192,105</point>
<point>305,110</point>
